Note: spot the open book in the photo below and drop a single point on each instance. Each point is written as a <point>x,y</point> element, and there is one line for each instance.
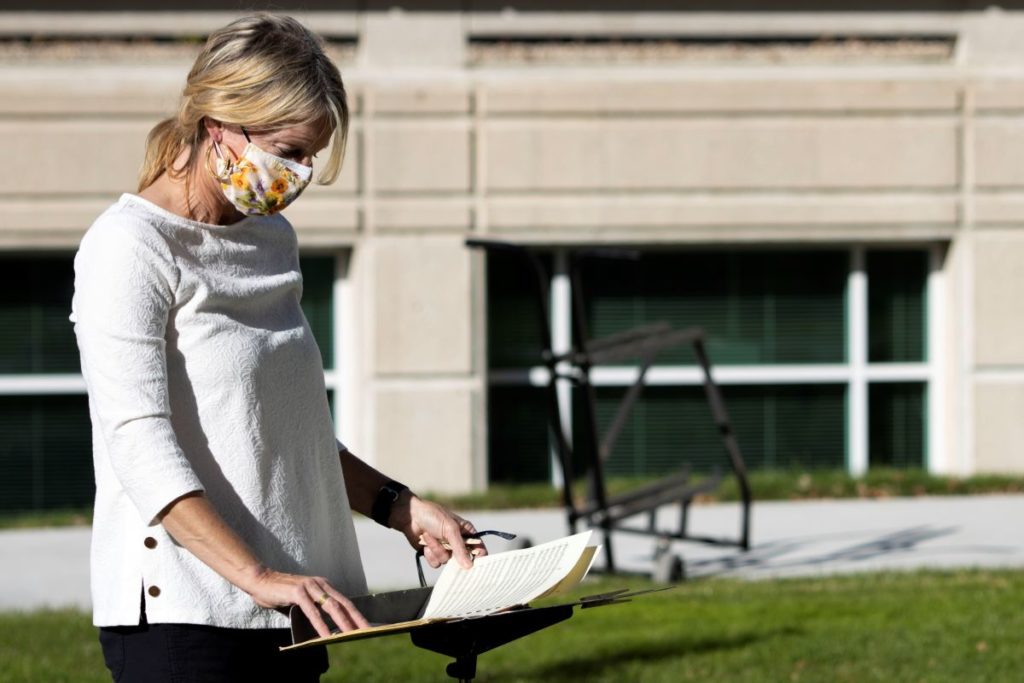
<point>495,583</point>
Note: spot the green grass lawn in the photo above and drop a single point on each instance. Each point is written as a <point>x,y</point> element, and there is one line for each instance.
<point>925,626</point>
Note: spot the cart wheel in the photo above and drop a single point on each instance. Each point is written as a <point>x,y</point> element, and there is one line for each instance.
<point>520,543</point>
<point>668,568</point>
<point>662,547</point>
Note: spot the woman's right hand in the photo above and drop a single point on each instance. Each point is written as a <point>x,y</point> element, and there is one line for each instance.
<point>194,523</point>
<point>277,590</point>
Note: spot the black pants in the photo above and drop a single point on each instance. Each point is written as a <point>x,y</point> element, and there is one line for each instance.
<point>186,653</point>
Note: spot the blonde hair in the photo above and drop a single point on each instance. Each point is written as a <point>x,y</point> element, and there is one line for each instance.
<point>262,71</point>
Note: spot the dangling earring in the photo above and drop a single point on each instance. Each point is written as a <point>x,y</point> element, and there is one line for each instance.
<point>222,170</point>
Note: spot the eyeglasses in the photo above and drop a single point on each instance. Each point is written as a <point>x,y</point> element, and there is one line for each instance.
<point>489,532</point>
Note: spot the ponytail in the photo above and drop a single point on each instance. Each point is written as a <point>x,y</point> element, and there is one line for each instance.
<point>164,145</point>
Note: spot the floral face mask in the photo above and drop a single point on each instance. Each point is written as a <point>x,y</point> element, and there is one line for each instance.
<point>259,183</point>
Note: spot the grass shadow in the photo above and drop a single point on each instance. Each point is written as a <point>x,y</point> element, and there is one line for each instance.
<point>590,664</point>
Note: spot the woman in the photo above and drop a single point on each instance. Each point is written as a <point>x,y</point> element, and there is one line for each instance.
<point>222,496</point>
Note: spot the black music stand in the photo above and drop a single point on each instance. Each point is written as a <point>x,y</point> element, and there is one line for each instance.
<point>464,638</point>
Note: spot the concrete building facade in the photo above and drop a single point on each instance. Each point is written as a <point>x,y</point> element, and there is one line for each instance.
<point>850,130</point>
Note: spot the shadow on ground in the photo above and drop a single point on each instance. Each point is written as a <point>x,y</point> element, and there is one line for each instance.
<point>587,665</point>
<point>820,551</point>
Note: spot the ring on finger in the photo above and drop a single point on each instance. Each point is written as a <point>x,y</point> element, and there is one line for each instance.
<point>324,597</point>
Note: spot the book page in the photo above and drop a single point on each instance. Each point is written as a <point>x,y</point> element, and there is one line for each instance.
<point>506,579</point>
<point>573,578</point>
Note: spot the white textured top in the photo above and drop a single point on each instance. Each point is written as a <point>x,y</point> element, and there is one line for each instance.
<point>203,375</point>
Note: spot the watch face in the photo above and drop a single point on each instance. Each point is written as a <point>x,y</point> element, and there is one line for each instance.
<point>390,493</point>
<point>394,489</point>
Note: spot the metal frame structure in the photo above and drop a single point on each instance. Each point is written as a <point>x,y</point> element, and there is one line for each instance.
<point>643,344</point>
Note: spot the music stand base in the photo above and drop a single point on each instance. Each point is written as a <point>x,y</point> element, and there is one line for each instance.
<point>465,640</point>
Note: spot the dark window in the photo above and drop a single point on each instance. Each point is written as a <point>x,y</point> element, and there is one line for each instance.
<point>756,307</point>
<point>35,302</point>
<point>515,327</point>
<point>779,427</point>
<point>518,446</point>
<point>897,282</point>
<point>318,302</point>
<point>45,452</point>
<point>898,424</point>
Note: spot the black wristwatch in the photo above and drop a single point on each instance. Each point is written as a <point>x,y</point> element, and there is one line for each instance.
<point>387,495</point>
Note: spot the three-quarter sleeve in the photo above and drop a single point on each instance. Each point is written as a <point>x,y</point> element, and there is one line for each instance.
<point>125,281</point>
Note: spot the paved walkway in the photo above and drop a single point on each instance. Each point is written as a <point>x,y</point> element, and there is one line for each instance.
<point>49,567</point>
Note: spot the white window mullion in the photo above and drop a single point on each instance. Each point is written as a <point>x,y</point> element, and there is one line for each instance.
<point>753,375</point>
<point>936,301</point>
<point>898,372</point>
<point>857,462</point>
<point>36,385</point>
<point>682,375</point>
<point>561,342</point>
<point>345,418</point>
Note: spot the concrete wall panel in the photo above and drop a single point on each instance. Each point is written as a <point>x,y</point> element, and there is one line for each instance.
<point>999,151</point>
<point>350,179</point>
<point>583,214</point>
<point>423,437</point>
<point>55,224</point>
<point>422,215</point>
<point>999,209</point>
<point>422,98</point>
<point>999,94</point>
<point>91,156</point>
<point>998,427</point>
<point>421,157</point>
<point>584,155</point>
<point>74,157</point>
<point>324,222</point>
<point>734,96</point>
<point>151,91</point>
<point>422,306</point>
<point>412,38</point>
<point>998,292</point>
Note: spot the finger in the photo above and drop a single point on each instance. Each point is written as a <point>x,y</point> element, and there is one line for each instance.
<point>351,618</point>
<point>428,553</point>
<point>312,613</point>
<point>466,526</point>
<point>435,553</point>
<point>435,560</point>
<point>468,529</point>
<point>454,536</point>
<point>337,613</point>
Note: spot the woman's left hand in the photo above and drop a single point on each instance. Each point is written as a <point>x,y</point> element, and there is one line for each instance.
<point>431,527</point>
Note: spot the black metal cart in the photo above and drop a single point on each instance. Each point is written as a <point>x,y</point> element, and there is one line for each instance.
<point>642,346</point>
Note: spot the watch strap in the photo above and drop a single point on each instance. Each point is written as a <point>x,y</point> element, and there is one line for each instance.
<point>387,495</point>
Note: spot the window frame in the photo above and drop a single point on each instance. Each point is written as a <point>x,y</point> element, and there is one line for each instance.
<point>857,373</point>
